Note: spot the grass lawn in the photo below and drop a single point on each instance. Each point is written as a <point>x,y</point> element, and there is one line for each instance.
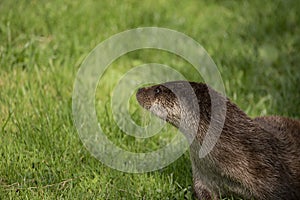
<point>255,45</point>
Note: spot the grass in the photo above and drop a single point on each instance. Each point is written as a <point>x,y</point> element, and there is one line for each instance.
<point>42,44</point>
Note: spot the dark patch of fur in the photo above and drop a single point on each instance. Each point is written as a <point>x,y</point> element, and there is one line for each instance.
<point>253,158</point>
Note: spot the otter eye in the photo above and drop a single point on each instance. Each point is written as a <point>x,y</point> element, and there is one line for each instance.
<point>157,90</point>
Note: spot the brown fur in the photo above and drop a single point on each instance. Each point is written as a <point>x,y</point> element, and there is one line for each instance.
<point>253,158</point>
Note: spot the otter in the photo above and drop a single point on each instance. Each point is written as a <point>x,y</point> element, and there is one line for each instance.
<point>252,159</point>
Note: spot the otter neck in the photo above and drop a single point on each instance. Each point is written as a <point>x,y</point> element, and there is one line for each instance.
<point>232,123</point>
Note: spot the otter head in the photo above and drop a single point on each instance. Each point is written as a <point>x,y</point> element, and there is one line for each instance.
<point>175,102</point>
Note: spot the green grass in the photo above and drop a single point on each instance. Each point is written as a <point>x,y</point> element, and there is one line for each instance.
<point>42,44</point>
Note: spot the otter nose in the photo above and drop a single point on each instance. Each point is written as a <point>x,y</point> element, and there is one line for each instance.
<point>140,90</point>
<point>139,96</point>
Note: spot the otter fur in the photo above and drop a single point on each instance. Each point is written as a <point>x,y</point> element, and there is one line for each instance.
<point>253,158</point>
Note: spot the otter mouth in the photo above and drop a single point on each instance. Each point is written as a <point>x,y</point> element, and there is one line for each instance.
<point>140,96</point>
<point>144,99</point>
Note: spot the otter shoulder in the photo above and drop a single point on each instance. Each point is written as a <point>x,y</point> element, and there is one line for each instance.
<point>278,123</point>
<point>282,127</point>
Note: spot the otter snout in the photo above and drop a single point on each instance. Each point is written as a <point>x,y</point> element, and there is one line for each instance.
<point>139,91</point>
<point>145,97</point>
<point>140,96</point>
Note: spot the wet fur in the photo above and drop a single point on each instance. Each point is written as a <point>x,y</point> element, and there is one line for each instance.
<point>253,158</point>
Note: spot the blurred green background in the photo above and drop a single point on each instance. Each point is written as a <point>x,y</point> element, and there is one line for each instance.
<point>255,45</point>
